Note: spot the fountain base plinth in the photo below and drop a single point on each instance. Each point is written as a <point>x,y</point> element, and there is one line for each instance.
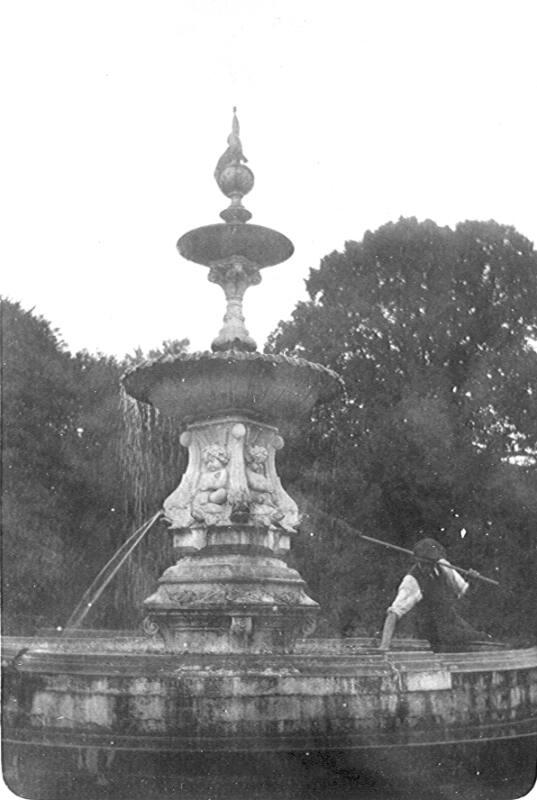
<point>231,599</point>
<point>236,629</point>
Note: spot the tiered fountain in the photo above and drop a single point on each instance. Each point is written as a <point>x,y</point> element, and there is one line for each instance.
<point>231,590</point>
<point>226,666</point>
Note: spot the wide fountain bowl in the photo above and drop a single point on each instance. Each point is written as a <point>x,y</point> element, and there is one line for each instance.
<point>277,389</point>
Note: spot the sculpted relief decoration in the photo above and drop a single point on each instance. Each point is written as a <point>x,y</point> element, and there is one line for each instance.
<point>210,499</point>
<point>231,478</point>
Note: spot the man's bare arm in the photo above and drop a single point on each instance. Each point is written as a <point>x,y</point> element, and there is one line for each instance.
<point>387,632</point>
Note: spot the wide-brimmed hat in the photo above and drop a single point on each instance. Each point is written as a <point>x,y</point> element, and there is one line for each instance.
<point>429,548</point>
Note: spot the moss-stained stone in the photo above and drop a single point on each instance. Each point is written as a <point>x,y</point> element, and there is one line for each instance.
<point>296,700</point>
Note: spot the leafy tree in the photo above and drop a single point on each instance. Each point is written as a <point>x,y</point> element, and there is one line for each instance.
<point>169,348</point>
<point>38,398</point>
<point>431,330</point>
<point>68,498</point>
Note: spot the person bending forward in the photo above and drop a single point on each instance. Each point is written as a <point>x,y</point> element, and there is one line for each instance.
<point>434,588</point>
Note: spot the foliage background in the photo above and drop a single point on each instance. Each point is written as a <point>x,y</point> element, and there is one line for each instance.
<point>432,331</point>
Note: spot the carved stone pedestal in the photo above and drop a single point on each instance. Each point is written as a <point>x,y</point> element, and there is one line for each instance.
<point>231,520</point>
<point>229,599</point>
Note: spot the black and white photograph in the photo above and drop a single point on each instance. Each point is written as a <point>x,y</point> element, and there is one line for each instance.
<point>269,400</point>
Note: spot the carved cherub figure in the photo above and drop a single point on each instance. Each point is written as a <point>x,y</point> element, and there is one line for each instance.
<point>211,494</point>
<point>263,505</point>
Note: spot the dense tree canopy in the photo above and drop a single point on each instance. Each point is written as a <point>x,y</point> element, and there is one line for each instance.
<point>37,422</point>
<point>71,488</point>
<point>62,488</point>
<point>431,330</point>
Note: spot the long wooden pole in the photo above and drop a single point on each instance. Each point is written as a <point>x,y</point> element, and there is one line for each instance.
<point>471,573</point>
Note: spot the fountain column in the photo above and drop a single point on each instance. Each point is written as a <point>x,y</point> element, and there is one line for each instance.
<point>231,519</point>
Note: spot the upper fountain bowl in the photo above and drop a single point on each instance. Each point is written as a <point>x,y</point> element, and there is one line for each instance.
<point>262,246</point>
<point>275,389</point>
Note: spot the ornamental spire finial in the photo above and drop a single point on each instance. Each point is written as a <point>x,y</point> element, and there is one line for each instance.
<point>235,128</point>
<point>233,177</point>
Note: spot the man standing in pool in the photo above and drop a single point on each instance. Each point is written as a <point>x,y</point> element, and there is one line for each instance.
<point>434,587</point>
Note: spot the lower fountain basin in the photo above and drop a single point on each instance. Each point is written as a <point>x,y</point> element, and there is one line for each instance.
<point>120,717</point>
<point>134,694</point>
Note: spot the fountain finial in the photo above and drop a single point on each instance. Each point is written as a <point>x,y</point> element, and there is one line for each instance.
<point>233,177</point>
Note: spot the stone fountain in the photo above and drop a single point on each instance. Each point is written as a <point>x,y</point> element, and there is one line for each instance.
<point>227,672</point>
<point>232,521</point>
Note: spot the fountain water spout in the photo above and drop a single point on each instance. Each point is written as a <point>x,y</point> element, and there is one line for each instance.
<point>110,569</point>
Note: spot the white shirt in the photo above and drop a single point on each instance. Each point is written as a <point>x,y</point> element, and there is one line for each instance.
<point>409,592</point>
